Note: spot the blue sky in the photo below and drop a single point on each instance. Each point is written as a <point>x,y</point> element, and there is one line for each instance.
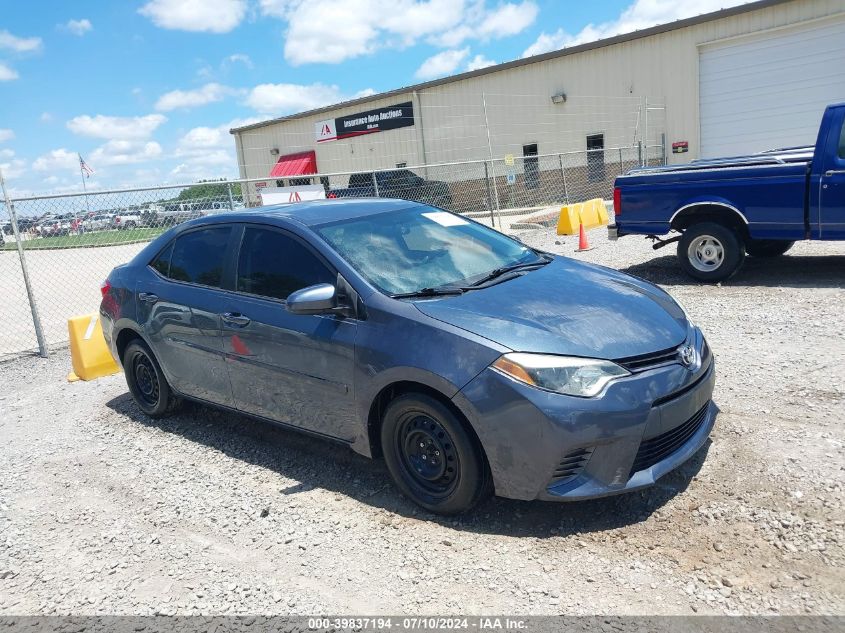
<point>147,90</point>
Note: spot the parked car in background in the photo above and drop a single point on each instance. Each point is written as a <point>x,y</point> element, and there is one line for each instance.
<point>99,222</point>
<point>56,226</point>
<point>725,209</point>
<point>126,220</point>
<point>396,183</point>
<point>402,330</point>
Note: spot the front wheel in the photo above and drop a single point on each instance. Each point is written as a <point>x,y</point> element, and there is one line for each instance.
<point>767,248</point>
<point>710,252</point>
<point>431,456</point>
<point>146,381</point>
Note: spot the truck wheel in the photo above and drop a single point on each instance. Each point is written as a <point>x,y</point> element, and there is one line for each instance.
<point>767,248</point>
<point>710,252</point>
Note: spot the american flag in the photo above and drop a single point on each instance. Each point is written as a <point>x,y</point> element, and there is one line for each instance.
<point>84,167</point>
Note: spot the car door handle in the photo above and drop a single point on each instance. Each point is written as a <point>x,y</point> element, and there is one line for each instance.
<point>147,297</point>
<point>833,172</point>
<point>233,318</point>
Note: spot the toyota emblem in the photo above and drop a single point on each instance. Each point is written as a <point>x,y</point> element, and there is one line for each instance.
<point>687,353</point>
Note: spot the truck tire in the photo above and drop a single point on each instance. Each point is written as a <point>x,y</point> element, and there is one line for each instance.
<point>767,248</point>
<point>710,252</point>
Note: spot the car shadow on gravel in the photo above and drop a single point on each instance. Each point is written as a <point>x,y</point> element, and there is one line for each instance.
<point>798,271</point>
<point>313,463</point>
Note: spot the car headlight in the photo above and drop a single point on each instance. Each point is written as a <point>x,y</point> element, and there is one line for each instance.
<point>583,377</point>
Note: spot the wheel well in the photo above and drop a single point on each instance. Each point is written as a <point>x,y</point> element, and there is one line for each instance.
<point>711,213</point>
<point>396,389</point>
<point>124,337</point>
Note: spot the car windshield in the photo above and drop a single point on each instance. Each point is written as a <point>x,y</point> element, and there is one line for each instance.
<point>407,250</point>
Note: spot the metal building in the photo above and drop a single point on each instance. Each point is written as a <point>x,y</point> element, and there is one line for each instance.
<point>734,81</point>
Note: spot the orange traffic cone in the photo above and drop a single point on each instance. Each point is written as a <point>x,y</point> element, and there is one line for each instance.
<point>583,244</point>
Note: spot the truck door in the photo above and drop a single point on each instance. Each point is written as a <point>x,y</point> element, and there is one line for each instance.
<point>831,208</point>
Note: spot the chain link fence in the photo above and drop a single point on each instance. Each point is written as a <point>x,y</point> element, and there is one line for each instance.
<point>70,243</point>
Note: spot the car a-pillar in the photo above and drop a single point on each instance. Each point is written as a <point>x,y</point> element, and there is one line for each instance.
<point>712,245</point>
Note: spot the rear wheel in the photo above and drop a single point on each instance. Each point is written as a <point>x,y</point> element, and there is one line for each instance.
<point>146,381</point>
<point>767,248</point>
<point>710,252</point>
<point>431,456</point>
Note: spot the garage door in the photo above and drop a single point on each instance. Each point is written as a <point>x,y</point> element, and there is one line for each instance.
<point>769,90</point>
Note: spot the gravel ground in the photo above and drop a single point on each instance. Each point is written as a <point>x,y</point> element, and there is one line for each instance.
<point>103,510</point>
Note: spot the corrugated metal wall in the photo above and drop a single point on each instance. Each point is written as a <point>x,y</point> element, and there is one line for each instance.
<point>605,87</point>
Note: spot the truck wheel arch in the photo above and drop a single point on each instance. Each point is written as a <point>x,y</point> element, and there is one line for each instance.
<point>710,211</point>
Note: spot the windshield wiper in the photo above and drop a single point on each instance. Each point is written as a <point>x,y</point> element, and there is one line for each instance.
<point>440,291</point>
<point>498,272</point>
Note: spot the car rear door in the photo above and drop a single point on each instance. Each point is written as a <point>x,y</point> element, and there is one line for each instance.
<point>295,369</point>
<point>179,307</point>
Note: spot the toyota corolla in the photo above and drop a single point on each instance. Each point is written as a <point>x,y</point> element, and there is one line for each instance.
<point>470,362</point>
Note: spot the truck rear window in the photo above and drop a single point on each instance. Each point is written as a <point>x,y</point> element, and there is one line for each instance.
<point>842,141</point>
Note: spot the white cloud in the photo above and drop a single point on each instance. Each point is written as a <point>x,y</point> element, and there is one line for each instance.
<point>56,159</point>
<point>209,93</point>
<point>6,135</point>
<point>19,44</point>
<point>114,127</point>
<point>212,16</point>
<point>78,27</point>
<point>282,99</point>
<point>478,62</point>
<point>14,168</point>
<point>639,15</point>
<point>6,153</point>
<point>313,35</point>
<point>441,64</point>
<point>46,117</point>
<point>7,73</point>
<point>241,58</point>
<point>123,152</point>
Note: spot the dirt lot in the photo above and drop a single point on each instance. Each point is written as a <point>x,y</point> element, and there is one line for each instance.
<point>103,510</point>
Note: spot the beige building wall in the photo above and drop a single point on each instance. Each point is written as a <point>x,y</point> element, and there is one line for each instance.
<point>606,88</point>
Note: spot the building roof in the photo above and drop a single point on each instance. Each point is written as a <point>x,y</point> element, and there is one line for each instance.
<point>572,50</point>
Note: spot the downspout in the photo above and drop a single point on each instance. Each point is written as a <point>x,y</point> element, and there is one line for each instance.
<point>420,133</point>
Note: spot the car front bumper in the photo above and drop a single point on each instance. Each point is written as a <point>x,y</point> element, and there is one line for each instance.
<point>544,445</point>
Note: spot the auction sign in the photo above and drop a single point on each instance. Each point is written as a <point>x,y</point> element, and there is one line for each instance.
<point>378,120</point>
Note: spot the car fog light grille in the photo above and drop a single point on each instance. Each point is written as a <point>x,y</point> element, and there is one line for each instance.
<point>658,448</point>
<point>571,465</point>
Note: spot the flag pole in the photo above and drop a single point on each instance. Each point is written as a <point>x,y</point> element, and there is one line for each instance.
<point>84,192</point>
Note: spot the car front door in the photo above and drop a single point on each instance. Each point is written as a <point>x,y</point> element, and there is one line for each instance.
<point>179,307</point>
<point>295,369</point>
<point>832,185</point>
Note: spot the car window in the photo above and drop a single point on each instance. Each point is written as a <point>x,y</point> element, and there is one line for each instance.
<point>360,180</point>
<point>198,257</point>
<point>272,264</point>
<point>162,262</point>
<point>842,141</point>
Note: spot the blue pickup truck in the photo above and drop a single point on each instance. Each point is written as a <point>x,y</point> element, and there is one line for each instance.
<point>718,211</point>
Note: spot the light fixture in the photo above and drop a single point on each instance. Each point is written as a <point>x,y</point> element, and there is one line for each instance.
<point>559,98</point>
<point>275,151</point>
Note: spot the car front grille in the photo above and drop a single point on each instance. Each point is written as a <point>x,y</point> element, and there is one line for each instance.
<point>648,361</point>
<point>571,465</point>
<point>661,446</point>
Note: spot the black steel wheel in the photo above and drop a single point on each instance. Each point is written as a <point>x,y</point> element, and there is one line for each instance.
<point>433,458</point>
<point>146,381</point>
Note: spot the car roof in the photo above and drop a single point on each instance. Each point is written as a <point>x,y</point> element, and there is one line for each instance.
<point>317,212</point>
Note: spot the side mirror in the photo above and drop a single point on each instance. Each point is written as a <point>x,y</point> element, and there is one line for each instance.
<point>318,299</point>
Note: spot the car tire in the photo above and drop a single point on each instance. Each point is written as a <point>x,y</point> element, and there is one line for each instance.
<point>767,248</point>
<point>146,381</point>
<point>432,457</point>
<point>709,251</point>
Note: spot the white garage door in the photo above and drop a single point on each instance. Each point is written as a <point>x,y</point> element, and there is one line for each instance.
<point>769,90</point>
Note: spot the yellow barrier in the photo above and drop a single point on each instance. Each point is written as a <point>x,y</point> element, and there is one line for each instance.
<point>88,350</point>
<point>591,214</point>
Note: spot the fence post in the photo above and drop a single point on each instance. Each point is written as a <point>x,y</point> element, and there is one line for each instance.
<point>231,199</point>
<point>620,161</point>
<point>663,148</point>
<point>375,185</point>
<point>489,195</point>
<point>36,320</point>
<point>563,173</point>
<point>640,153</point>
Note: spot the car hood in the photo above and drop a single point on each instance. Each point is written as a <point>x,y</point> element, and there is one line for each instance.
<point>570,308</point>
